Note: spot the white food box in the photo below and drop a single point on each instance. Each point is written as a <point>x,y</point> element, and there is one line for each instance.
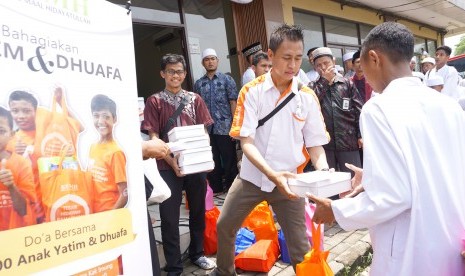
<point>320,183</point>
<point>185,132</point>
<point>195,156</point>
<point>190,143</point>
<point>196,168</point>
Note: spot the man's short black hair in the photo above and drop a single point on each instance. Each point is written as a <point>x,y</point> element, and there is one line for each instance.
<point>391,38</point>
<point>446,49</point>
<point>101,102</point>
<point>355,56</point>
<point>311,50</point>
<point>259,56</point>
<point>19,95</point>
<point>7,115</point>
<point>291,33</point>
<point>172,59</point>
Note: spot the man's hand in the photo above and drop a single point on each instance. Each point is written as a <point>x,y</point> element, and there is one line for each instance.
<point>329,73</point>
<point>155,148</point>
<point>280,180</point>
<point>360,143</point>
<point>173,162</point>
<point>323,212</point>
<point>356,182</point>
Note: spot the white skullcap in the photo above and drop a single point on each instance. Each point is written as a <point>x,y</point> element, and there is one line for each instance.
<point>347,56</point>
<point>414,59</point>
<point>322,51</point>
<point>339,68</point>
<point>434,80</point>
<point>208,52</point>
<point>429,59</point>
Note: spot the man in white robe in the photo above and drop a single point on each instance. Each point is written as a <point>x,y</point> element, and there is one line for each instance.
<point>448,73</point>
<point>414,167</point>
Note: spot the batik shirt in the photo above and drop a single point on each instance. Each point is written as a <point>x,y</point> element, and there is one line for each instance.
<point>159,108</point>
<point>217,92</point>
<point>341,105</point>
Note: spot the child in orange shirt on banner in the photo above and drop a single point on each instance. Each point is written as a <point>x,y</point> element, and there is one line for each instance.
<point>17,189</point>
<point>23,108</point>
<point>107,161</point>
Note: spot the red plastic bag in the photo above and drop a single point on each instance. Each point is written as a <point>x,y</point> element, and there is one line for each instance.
<point>210,241</point>
<point>260,257</point>
<point>314,262</point>
<point>261,222</point>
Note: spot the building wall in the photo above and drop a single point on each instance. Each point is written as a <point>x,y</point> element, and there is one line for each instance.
<point>360,15</point>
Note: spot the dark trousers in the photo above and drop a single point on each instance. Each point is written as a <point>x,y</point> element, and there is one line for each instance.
<point>196,189</point>
<point>225,158</point>
<point>337,160</point>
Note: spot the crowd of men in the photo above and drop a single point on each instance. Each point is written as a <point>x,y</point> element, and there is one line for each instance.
<point>412,180</point>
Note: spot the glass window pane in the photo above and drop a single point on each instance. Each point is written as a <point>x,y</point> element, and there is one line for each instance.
<point>431,47</point>
<point>420,46</point>
<point>337,53</point>
<point>313,34</point>
<point>338,31</point>
<point>364,30</point>
<point>206,29</point>
<point>158,11</point>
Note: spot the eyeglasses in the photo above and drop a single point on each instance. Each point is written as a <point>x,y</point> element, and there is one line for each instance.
<point>171,72</point>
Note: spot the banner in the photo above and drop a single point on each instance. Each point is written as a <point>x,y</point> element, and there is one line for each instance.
<point>72,196</point>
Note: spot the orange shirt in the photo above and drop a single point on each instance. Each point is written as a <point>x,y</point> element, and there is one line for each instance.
<point>107,163</point>
<point>24,181</point>
<point>28,138</point>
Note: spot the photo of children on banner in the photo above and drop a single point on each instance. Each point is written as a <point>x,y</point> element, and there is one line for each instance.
<point>48,139</point>
<point>41,133</point>
<point>17,189</point>
<point>107,161</point>
<point>24,110</point>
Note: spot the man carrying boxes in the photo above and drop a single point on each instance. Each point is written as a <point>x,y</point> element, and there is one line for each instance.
<point>273,150</point>
<point>172,107</point>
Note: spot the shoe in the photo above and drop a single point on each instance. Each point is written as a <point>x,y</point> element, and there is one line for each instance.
<point>205,263</point>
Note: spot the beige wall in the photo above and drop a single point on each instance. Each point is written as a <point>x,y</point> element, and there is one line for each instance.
<point>331,8</point>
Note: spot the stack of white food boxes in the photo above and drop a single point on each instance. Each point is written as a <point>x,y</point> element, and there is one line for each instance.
<point>195,153</point>
<point>320,183</point>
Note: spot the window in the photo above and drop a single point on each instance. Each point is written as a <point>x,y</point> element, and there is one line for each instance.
<point>341,32</point>
<point>364,30</point>
<point>431,47</point>
<point>311,25</point>
<point>420,46</point>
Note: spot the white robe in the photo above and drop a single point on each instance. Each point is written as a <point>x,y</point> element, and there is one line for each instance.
<point>248,76</point>
<point>414,180</point>
<point>312,75</point>
<point>451,80</point>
